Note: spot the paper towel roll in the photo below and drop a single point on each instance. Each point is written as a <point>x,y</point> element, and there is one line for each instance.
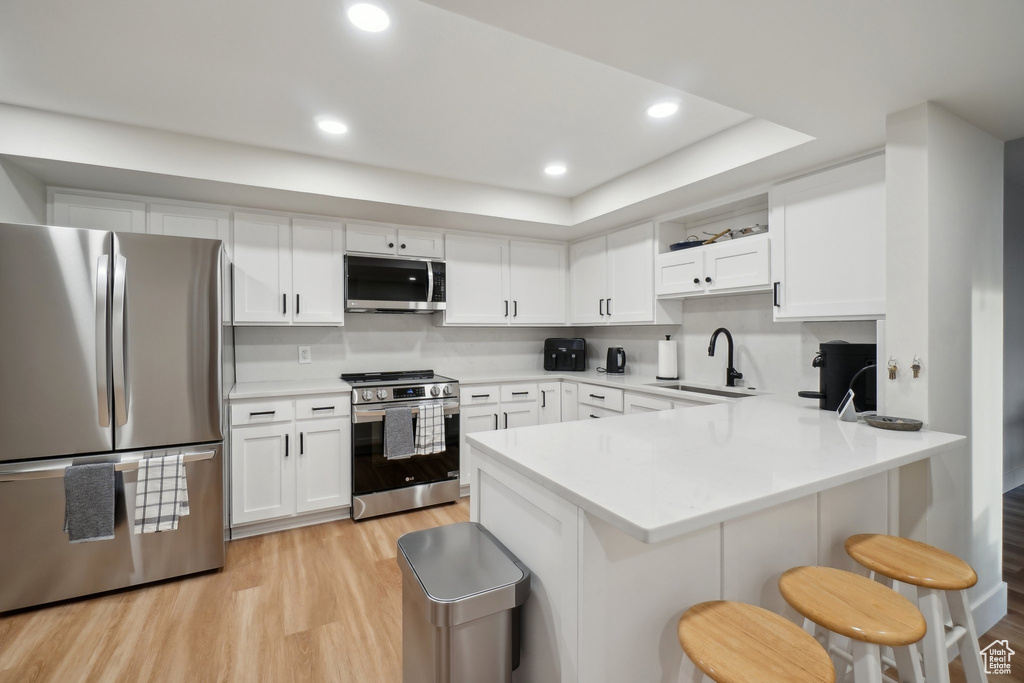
<point>668,359</point>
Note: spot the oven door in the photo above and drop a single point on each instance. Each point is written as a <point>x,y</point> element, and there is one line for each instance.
<point>387,284</point>
<point>373,473</point>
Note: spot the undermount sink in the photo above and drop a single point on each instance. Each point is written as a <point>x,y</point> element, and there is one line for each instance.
<point>702,390</point>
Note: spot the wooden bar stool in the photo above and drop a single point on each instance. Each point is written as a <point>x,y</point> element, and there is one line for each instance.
<point>732,642</point>
<point>871,615</point>
<point>936,574</point>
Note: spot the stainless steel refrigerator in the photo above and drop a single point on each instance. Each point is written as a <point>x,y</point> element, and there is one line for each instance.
<point>110,351</point>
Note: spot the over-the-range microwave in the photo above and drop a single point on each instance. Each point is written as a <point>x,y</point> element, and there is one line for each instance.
<point>393,285</point>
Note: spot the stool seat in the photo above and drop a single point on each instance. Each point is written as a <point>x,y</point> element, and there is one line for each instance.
<point>733,642</point>
<point>853,606</point>
<point>912,562</point>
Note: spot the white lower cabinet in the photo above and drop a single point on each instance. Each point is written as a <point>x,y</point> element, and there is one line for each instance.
<point>472,420</point>
<point>550,410</point>
<point>570,402</point>
<point>593,412</point>
<point>323,473</point>
<point>289,467</point>
<point>638,403</point>
<point>519,414</point>
<point>486,408</point>
<point>262,476</point>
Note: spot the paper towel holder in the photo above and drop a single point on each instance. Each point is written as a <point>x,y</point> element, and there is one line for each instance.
<point>668,338</point>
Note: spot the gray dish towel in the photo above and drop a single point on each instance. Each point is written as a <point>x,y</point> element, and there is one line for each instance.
<point>89,502</point>
<point>399,441</point>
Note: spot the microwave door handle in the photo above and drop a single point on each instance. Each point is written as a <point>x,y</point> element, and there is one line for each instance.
<point>102,285</point>
<point>430,282</point>
<point>118,339</point>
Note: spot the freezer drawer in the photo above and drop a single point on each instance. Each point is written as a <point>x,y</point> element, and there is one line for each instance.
<point>41,566</point>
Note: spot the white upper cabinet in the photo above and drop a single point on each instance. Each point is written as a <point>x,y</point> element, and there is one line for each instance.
<point>477,281</point>
<point>588,268</point>
<point>731,267</point>
<point>97,213</point>
<point>393,241</point>
<point>497,282</point>
<point>318,272</point>
<point>828,252</point>
<point>537,283</point>
<point>631,275</point>
<point>262,272</point>
<point>190,221</point>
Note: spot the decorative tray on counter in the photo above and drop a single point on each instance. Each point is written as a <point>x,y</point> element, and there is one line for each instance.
<point>898,424</point>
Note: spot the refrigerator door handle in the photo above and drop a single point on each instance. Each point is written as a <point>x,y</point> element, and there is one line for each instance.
<point>102,285</point>
<point>54,472</point>
<point>117,339</point>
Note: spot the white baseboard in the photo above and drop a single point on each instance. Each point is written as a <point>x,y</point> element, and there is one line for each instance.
<point>990,608</point>
<point>293,522</point>
<point>464,490</point>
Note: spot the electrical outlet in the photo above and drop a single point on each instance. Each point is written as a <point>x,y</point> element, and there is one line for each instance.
<point>305,355</point>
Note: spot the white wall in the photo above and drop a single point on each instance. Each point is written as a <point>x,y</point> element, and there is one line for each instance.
<point>944,288</point>
<point>1013,321</point>
<point>376,342</point>
<point>22,197</point>
<point>772,356</point>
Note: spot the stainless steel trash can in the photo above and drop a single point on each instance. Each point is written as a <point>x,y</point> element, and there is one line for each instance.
<point>461,596</point>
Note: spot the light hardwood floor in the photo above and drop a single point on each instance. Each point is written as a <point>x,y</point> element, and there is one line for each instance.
<point>321,603</point>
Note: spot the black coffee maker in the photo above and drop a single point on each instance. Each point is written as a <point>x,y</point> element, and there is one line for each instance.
<point>839,362</point>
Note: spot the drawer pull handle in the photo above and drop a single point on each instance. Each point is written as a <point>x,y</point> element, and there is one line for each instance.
<point>520,393</point>
<point>595,417</point>
<point>302,443</point>
<point>262,412</point>
<point>323,408</point>
<point>286,445</point>
<point>481,396</point>
<point>597,396</point>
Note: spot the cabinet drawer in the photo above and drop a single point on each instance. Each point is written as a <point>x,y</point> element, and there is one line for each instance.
<point>636,403</point>
<point>518,392</point>
<point>592,412</point>
<point>602,397</point>
<point>261,412</point>
<point>479,395</point>
<point>332,405</point>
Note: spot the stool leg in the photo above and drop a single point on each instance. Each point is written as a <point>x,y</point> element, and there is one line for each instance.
<point>867,662</point>
<point>936,658</point>
<point>907,664</point>
<point>970,656</point>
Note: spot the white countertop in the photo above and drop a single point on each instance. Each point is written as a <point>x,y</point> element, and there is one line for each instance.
<point>660,475</point>
<point>288,388</point>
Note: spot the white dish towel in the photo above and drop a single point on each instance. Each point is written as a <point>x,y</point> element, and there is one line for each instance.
<point>430,429</point>
<point>161,496</point>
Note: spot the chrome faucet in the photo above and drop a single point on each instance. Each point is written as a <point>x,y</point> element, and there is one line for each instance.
<point>731,374</point>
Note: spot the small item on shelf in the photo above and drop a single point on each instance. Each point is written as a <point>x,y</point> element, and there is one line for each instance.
<point>715,237</point>
<point>898,424</point>
<point>688,243</point>
<point>756,229</point>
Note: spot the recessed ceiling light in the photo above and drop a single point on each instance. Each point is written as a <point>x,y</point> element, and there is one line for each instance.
<point>368,17</point>
<point>555,169</point>
<point>662,109</point>
<point>332,126</point>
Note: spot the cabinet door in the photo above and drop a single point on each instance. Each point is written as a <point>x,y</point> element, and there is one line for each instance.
<point>828,255</point>
<point>742,264</point>
<point>550,403</point>
<point>537,272</point>
<point>420,243</point>
<point>588,274</point>
<point>262,473</point>
<point>570,402</point>
<point>631,275</point>
<point>681,272</point>
<point>318,272</point>
<point>478,281</point>
<point>519,414</point>
<point>323,467</point>
<point>263,269</point>
<point>370,239</point>
<point>473,419</point>
<point>637,403</point>
<point>190,221</point>
<point>98,213</point>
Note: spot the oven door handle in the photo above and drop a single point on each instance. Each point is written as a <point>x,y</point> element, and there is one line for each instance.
<point>364,416</point>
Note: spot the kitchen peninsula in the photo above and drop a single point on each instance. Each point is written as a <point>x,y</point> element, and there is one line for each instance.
<point>626,522</point>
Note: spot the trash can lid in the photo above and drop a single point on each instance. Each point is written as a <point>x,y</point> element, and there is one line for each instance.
<point>457,561</point>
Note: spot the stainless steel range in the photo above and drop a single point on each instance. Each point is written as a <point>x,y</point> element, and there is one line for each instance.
<point>381,486</point>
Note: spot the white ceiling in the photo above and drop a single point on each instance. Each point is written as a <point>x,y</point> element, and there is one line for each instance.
<point>437,93</point>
